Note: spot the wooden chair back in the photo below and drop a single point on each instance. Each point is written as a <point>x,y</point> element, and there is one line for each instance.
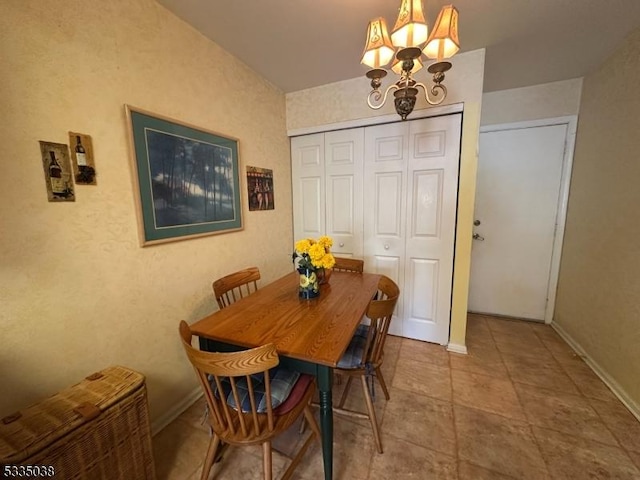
<point>234,375</point>
<point>348,265</point>
<point>233,287</point>
<point>234,425</point>
<point>380,312</point>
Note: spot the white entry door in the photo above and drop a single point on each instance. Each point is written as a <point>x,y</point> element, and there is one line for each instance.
<point>410,201</point>
<point>520,186</point>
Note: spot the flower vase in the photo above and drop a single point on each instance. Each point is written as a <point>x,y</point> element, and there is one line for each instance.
<point>309,287</point>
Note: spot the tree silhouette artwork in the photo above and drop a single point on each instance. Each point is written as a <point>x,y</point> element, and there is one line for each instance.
<point>191,180</point>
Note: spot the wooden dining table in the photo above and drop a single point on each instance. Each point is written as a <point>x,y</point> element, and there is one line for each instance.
<point>310,335</point>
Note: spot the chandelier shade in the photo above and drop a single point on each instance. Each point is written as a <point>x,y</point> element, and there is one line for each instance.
<point>443,41</point>
<point>378,50</point>
<point>410,29</point>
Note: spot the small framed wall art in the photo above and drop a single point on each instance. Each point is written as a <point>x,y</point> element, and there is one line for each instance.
<point>260,188</point>
<point>57,172</point>
<point>187,179</point>
<point>84,170</point>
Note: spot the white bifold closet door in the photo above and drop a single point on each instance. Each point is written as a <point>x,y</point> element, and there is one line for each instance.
<point>410,197</point>
<point>388,194</point>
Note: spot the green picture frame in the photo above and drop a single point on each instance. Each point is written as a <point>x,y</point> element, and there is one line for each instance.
<point>187,179</point>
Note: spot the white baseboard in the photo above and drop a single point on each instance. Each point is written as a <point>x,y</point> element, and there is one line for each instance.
<point>614,386</point>
<point>164,420</point>
<point>457,348</point>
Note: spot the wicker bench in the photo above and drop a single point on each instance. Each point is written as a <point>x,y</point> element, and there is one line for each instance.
<point>96,429</point>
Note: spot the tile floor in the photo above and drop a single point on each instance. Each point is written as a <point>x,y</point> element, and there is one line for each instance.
<point>521,405</point>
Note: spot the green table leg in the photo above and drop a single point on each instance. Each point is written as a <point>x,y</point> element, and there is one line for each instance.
<point>325,380</point>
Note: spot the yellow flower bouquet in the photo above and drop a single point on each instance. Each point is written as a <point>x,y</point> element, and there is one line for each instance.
<point>310,256</point>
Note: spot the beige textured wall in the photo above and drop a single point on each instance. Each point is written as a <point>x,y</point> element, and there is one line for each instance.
<point>598,302</point>
<point>346,101</point>
<point>77,293</point>
<point>550,100</point>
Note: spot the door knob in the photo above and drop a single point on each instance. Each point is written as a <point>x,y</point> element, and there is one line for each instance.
<point>341,244</point>
<point>476,222</point>
<point>477,236</point>
<point>386,247</point>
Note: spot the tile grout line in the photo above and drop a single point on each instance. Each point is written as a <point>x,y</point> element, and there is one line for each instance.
<point>526,416</point>
<point>584,397</point>
<point>587,399</point>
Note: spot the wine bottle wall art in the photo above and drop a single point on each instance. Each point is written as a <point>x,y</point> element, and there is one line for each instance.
<point>84,170</point>
<point>57,172</point>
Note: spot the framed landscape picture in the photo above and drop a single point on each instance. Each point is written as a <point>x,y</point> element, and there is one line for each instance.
<point>187,179</point>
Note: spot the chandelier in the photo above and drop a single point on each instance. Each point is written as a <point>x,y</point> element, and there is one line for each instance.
<point>404,49</point>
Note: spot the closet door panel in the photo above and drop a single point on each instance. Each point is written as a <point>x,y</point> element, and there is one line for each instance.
<point>387,212</point>
<point>386,152</point>
<point>341,221</point>
<point>426,208</point>
<point>308,190</point>
<point>344,150</point>
<point>422,280</point>
<point>311,205</point>
<point>432,170</point>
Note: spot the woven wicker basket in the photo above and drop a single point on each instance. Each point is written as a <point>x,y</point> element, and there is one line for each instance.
<point>97,429</point>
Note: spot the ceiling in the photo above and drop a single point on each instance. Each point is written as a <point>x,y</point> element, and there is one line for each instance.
<point>299,44</point>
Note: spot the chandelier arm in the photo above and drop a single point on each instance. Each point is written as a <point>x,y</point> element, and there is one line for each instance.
<point>376,95</point>
<point>435,92</point>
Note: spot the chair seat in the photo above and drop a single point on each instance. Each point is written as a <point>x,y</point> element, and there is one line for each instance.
<point>295,396</point>
<point>283,382</point>
<point>353,356</point>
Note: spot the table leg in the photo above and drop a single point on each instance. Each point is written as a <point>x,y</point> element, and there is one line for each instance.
<point>325,380</point>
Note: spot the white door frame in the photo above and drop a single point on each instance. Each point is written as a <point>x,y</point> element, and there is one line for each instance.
<point>563,197</point>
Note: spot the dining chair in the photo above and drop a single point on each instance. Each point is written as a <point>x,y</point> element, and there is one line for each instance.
<point>235,286</point>
<point>250,400</point>
<point>365,353</point>
<point>348,265</point>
